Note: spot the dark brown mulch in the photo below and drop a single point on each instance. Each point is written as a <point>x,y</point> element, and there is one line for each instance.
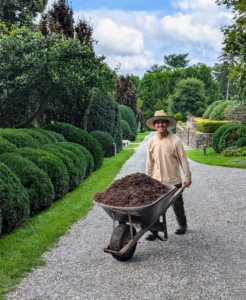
<point>133,190</point>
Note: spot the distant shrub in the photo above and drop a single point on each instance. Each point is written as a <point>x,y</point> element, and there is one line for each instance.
<point>231,135</point>
<point>125,130</point>
<point>241,142</point>
<point>104,116</point>
<point>76,135</point>
<point>18,138</point>
<point>210,108</point>
<point>7,147</point>
<point>36,182</point>
<point>208,126</point>
<point>14,201</point>
<point>53,166</point>
<point>106,140</point>
<point>233,151</point>
<point>218,112</point>
<point>127,114</point>
<point>75,168</point>
<point>178,116</point>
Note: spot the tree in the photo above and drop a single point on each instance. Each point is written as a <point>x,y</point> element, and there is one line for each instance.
<point>189,98</point>
<point>84,32</point>
<point>234,43</point>
<point>175,61</point>
<point>19,12</point>
<point>125,93</point>
<point>47,78</point>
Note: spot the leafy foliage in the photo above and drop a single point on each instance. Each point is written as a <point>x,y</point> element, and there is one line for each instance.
<point>127,115</point>
<point>105,140</point>
<point>175,61</point>
<point>36,182</point>
<point>230,136</point>
<point>7,147</point>
<point>210,108</point>
<point>18,138</point>
<point>241,142</point>
<point>218,111</point>
<point>126,130</point>
<point>234,151</point>
<point>14,201</point>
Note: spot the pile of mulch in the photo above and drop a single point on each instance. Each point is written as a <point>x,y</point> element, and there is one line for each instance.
<point>133,190</point>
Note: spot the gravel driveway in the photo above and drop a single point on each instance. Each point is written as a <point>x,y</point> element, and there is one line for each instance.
<point>209,262</point>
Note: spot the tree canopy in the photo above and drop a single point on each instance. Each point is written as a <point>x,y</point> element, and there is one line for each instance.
<point>175,61</point>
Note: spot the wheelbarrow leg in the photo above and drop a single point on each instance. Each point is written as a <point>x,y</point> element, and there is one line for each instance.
<point>164,226</point>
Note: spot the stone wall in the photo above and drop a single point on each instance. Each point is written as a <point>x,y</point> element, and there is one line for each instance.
<point>193,138</point>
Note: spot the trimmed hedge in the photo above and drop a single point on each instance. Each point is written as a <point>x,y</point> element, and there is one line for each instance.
<point>50,134</point>
<point>75,169</point>
<point>125,130</point>
<point>217,134</point>
<point>78,150</point>
<point>241,142</point>
<point>127,114</point>
<point>104,116</point>
<point>7,147</point>
<point>231,135</point>
<point>234,151</point>
<point>14,201</point>
<point>39,137</point>
<point>106,140</point>
<point>36,182</point>
<point>53,166</point>
<point>210,108</point>
<point>18,138</point>
<point>208,126</point>
<point>76,135</point>
<point>218,112</point>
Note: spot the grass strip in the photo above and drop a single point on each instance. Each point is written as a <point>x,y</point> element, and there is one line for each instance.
<point>22,250</point>
<point>214,159</point>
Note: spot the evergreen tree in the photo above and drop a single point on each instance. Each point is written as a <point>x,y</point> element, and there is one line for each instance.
<point>125,93</point>
<point>175,61</point>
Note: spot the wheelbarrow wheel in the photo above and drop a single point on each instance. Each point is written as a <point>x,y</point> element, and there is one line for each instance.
<point>120,237</point>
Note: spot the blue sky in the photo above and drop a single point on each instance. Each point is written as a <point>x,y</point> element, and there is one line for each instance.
<point>136,34</point>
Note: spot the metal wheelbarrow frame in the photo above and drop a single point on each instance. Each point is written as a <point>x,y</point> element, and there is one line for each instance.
<point>124,238</point>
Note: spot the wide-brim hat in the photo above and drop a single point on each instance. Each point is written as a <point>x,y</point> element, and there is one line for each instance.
<point>161,115</point>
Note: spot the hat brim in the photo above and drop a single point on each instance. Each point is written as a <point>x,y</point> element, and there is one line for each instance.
<point>150,122</point>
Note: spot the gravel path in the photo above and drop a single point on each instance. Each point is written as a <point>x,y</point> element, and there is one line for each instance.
<point>209,262</point>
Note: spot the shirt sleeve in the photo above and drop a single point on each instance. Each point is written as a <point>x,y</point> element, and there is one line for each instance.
<point>183,161</point>
<point>149,162</point>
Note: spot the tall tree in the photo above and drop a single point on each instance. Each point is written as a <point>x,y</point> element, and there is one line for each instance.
<point>234,45</point>
<point>175,61</point>
<point>19,12</point>
<point>125,93</point>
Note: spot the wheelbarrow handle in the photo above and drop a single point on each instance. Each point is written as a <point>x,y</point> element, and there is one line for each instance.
<point>177,194</point>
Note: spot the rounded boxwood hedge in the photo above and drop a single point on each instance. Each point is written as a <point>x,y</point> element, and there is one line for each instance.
<point>218,111</point>
<point>125,130</point>
<point>217,134</point>
<point>53,166</point>
<point>40,137</point>
<point>14,201</point>
<point>210,108</point>
<point>7,147</point>
<point>36,182</point>
<point>77,150</point>
<point>106,140</point>
<point>18,138</point>
<point>127,114</point>
<point>241,142</point>
<point>76,135</point>
<point>231,135</point>
<point>72,162</point>
<point>50,134</point>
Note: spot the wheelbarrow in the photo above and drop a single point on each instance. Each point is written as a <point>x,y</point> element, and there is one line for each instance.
<point>125,236</point>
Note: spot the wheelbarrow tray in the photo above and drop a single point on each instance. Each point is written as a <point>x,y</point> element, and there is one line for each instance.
<point>142,215</point>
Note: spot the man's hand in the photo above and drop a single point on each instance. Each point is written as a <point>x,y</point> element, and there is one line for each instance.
<point>187,183</point>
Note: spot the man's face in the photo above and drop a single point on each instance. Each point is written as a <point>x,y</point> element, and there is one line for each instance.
<point>161,125</point>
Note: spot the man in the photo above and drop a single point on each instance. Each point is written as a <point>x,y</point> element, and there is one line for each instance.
<point>165,155</point>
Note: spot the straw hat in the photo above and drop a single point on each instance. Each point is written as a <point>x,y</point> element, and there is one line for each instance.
<point>161,115</point>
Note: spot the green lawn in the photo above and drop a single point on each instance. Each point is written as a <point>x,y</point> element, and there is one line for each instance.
<point>214,159</point>
<point>21,250</point>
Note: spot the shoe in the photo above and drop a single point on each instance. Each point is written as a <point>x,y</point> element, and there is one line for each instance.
<point>150,237</point>
<point>181,229</point>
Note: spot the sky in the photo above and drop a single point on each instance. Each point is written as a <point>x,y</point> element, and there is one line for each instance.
<point>136,34</point>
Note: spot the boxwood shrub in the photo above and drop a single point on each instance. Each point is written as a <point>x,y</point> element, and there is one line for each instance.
<point>76,135</point>
<point>241,142</point>
<point>53,166</point>
<point>18,138</point>
<point>217,134</point>
<point>14,201</point>
<point>210,108</point>
<point>78,150</point>
<point>50,134</point>
<point>208,126</point>
<point>127,114</point>
<point>125,130</point>
<point>41,138</point>
<point>218,112</point>
<point>36,182</point>
<point>71,161</point>
<point>231,135</point>
<point>7,147</point>
<point>106,140</point>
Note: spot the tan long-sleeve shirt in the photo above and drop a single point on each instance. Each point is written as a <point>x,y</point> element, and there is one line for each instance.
<point>164,158</point>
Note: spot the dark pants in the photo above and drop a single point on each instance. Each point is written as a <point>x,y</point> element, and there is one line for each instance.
<point>178,208</point>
